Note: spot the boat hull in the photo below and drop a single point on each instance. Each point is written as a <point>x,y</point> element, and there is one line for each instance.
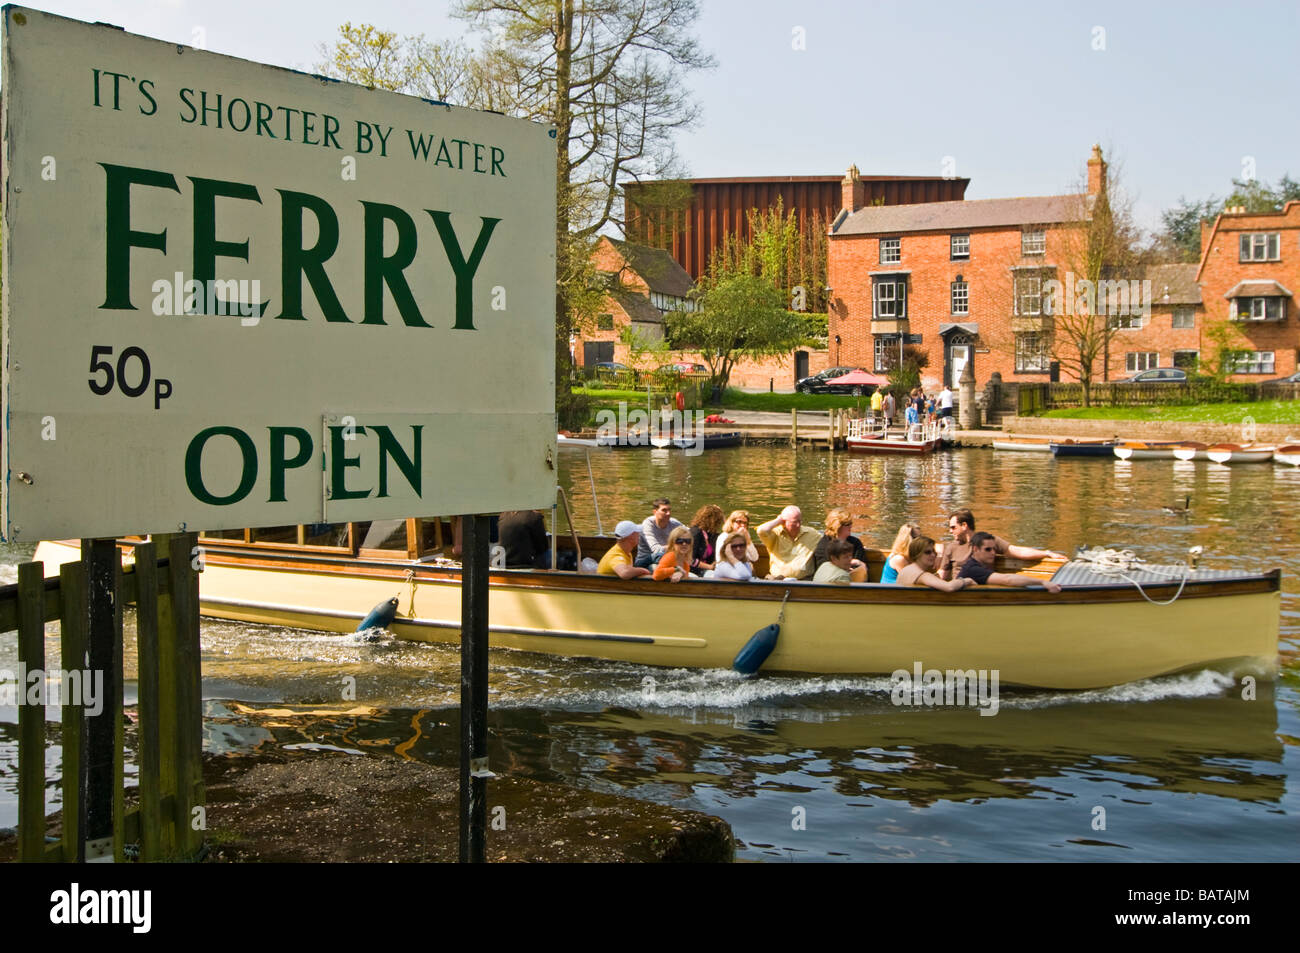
<point>1106,449</point>
<point>1086,637</point>
<point>1232,453</point>
<point>1023,446</point>
<point>880,445</point>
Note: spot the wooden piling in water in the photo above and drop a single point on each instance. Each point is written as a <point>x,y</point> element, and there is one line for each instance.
<point>184,586</point>
<point>148,744</point>
<point>31,718</point>
<point>72,622</point>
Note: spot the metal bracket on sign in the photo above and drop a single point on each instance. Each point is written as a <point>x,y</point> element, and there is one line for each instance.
<point>478,768</point>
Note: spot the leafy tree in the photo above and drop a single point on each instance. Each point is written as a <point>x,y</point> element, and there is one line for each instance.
<point>740,316</point>
<point>793,258</point>
<point>1180,235</point>
<point>1229,345</point>
<point>608,74</point>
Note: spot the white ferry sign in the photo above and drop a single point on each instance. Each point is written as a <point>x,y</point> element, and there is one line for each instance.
<point>236,295</point>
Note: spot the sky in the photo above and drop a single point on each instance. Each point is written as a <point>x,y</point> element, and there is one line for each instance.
<point>1183,97</point>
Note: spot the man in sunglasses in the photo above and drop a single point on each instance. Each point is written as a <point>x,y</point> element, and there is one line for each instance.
<point>980,567</point>
<point>961,523</point>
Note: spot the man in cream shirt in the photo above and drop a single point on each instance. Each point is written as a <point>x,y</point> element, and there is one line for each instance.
<point>790,546</point>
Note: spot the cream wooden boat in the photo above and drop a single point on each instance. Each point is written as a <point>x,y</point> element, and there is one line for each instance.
<point>1023,445</point>
<point>1145,450</point>
<point>1240,453</point>
<point>1288,454</point>
<point>1091,635</point>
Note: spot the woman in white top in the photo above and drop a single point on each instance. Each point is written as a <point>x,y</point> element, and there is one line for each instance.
<point>737,522</point>
<point>733,561</point>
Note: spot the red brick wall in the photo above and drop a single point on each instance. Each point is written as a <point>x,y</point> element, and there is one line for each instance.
<point>1221,269</point>
<point>993,252</point>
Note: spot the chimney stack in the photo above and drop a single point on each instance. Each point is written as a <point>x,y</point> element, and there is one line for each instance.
<point>854,191</point>
<point>1096,172</point>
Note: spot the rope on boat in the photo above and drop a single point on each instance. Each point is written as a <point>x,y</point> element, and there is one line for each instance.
<point>1120,562</point>
<point>780,616</point>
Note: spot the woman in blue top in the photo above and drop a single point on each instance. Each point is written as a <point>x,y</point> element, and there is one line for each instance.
<point>897,557</point>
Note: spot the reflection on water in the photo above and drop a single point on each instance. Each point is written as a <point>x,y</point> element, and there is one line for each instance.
<point>1178,763</point>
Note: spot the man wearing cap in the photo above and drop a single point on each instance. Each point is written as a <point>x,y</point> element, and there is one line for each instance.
<point>618,561</point>
<point>790,545</point>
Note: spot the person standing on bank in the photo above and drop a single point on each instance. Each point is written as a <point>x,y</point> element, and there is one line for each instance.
<point>654,534</point>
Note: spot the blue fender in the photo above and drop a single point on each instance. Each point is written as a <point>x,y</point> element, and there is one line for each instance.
<point>381,616</point>
<point>751,658</point>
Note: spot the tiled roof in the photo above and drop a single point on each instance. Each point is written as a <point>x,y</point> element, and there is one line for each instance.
<point>637,306</point>
<point>1259,288</point>
<point>658,268</point>
<point>1177,281</point>
<point>977,213</point>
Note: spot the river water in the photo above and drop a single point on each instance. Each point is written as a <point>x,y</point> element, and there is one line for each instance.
<point>807,768</point>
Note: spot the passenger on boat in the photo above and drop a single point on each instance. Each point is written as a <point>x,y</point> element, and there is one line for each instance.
<point>733,559</point>
<point>877,403</point>
<point>839,559</point>
<point>618,561</point>
<point>705,526</point>
<point>919,570</point>
<point>979,567</point>
<point>654,533</point>
<point>897,557</point>
<point>738,522</point>
<point>961,523</point>
<point>888,407</point>
<point>523,534</point>
<point>839,525</point>
<point>790,545</point>
<point>676,562</point>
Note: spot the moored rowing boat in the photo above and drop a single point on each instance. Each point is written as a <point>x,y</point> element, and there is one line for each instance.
<point>1288,454</point>
<point>1239,453</point>
<point>1023,445</point>
<point>1162,450</point>
<point>1084,448</point>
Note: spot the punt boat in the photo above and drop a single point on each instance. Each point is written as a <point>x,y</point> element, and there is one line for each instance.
<point>1100,630</point>
<point>916,440</point>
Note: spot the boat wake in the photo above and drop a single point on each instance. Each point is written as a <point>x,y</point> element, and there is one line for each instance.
<point>1202,684</point>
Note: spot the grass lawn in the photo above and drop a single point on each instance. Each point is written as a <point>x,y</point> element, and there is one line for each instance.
<point>1263,412</point>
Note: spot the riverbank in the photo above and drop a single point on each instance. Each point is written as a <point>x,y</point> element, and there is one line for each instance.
<point>324,806</point>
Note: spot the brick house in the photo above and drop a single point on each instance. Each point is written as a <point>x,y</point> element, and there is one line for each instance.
<point>1172,335</point>
<point>961,281</point>
<point>643,284</point>
<point>1248,274</point>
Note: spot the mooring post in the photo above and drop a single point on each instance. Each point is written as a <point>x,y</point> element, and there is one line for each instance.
<point>103,655</point>
<point>474,771</point>
<point>31,714</point>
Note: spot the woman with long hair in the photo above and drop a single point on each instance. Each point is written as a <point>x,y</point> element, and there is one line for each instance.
<point>733,559</point>
<point>897,557</point>
<point>705,526</point>
<point>676,562</point>
<point>738,522</point>
<point>919,570</point>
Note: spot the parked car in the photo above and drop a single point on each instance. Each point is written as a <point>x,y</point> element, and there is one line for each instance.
<point>1293,379</point>
<point>609,369</point>
<point>816,384</point>
<point>682,368</point>
<point>1157,375</point>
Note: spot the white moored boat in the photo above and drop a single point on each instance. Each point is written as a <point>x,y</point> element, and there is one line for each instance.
<point>1162,450</point>
<point>1240,453</point>
<point>1024,444</point>
<point>1288,454</point>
